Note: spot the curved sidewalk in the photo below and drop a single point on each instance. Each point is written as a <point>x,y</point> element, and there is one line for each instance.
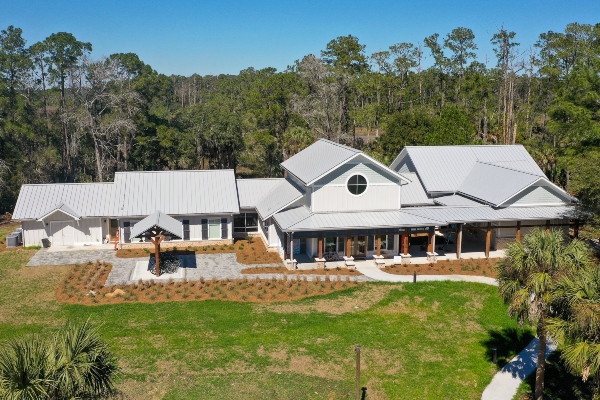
<point>374,272</point>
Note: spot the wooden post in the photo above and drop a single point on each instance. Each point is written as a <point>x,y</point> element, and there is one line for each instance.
<point>320,252</point>
<point>405,239</point>
<point>576,229</point>
<point>156,241</point>
<point>518,236</point>
<point>378,242</point>
<point>285,248</point>
<point>488,239</point>
<point>348,254</point>
<point>547,226</point>
<point>459,233</point>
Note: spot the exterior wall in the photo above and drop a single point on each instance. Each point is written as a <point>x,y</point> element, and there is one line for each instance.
<point>195,226</point>
<point>503,236</point>
<point>85,231</point>
<point>338,198</point>
<point>536,195</point>
<point>181,244</point>
<point>373,173</point>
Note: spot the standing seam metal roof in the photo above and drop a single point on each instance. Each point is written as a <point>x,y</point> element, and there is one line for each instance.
<point>317,159</point>
<point>413,193</point>
<point>251,191</point>
<point>159,220</point>
<point>176,192</point>
<point>86,199</point>
<point>282,195</point>
<point>62,207</point>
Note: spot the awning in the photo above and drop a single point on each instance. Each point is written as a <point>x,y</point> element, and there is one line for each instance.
<point>62,207</point>
<point>158,221</point>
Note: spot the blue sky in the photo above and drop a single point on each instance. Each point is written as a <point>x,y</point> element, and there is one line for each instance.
<point>226,36</point>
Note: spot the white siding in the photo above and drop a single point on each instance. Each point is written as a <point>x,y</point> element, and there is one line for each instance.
<point>373,173</point>
<point>85,231</point>
<point>34,232</point>
<point>338,198</point>
<point>536,195</point>
<point>88,231</point>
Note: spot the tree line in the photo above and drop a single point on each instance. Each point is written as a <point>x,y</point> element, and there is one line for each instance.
<point>67,117</point>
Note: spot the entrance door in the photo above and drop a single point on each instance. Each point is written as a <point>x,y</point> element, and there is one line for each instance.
<point>358,247</point>
<point>62,233</point>
<point>114,227</point>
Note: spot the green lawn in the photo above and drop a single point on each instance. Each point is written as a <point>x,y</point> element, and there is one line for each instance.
<point>424,340</point>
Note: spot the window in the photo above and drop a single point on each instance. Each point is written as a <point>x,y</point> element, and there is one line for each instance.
<point>245,222</point>
<point>214,229</point>
<point>357,184</point>
<point>387,242</point>
<point>330,243</point>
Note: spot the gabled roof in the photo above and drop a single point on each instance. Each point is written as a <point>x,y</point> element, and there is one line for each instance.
<point>445,168</point>
<point>84,199</point>
<point>456,200</point>
<point>160,221</point>
<point>324,156</point>
<point>412,192</point>
<point>176,192</point>
<point>281,196</point>
<point>61,207</point>
<point>251,191</point>
<point>318,159</point>
<point>493,184</point>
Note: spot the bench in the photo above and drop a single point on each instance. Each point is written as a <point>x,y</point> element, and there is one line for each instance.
<point>349,261</point>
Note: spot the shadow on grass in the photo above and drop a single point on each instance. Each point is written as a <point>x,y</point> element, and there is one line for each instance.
<point>508,342</point>
<point>559,383</point>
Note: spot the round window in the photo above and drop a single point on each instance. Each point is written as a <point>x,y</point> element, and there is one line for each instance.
<point>357,184</point>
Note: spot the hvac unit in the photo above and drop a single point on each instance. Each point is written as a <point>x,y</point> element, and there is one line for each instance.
<point>12,241</point>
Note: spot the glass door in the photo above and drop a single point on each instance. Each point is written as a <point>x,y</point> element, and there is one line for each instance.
<point>114,227</point>
<point>360,247</point>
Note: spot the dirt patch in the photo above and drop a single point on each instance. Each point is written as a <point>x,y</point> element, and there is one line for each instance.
<point>284,270</point>
<point>84,284</point>
<point>479,267</point>
<point>310,366</point>
<point>358,300</point>
<point>247,252</point>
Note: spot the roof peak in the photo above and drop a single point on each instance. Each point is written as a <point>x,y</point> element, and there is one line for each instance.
<point>339,145</point>
<point>173,170</point>
<point>466,145</point>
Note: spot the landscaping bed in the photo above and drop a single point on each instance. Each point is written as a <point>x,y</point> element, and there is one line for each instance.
<point>475,267</point>
<point>84,284</point>
<point>247,252</point>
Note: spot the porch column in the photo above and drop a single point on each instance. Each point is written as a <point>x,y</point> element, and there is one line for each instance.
<point>378,242</point>
<point>431,240</point>
<point>348,245</point>
<point>459,232</point>
<point>291,245</point>
<point>518,236</point>
<point>547,226</point>
<point>405,240</point>
<point>576,229</point>
<point>285,248</point>
<point>488,239</point>
<point>320,245</point>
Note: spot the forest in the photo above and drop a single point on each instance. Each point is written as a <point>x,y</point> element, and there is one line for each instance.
<point>68,117</point>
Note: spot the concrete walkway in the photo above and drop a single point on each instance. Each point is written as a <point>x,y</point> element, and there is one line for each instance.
<point>377,274</point>
<point>505,383</point>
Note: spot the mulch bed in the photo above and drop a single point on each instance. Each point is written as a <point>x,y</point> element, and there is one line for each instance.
<point>246,252</point>
<point>84,284</point>
<point>478,267</point>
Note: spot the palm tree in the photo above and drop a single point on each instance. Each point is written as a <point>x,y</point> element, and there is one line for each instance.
<point>75,363</point>
<point>527,278</point>
<point>577,325</point>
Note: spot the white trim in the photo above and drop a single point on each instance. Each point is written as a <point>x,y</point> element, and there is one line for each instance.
<point>356,173</point>
<point>58,209</point>
<point>543,180</point>
<point>352,176</point>
<point>388,169</point>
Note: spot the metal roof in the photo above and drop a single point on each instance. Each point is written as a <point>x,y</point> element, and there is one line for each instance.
<point>412,193</point>
<point>251,191</point>
<point>88,199</point>
<point>158,220</point>
<point>456,200</point>
<point>281,196</point>
<point>493,184</point>
<point>445,168</point>
<point>292,216</point>
<point>488,214</point>
<point>176,192</point>
<point>62,207</point>
<point>356,220</point>
<point>318,159</point>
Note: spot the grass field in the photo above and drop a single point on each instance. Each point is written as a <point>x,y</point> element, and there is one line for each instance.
<point>420,341</point>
